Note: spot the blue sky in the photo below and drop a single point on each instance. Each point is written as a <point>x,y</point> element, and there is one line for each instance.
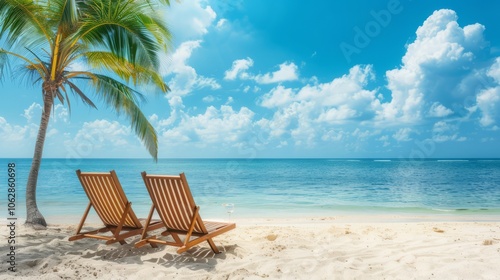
<point>405,79</point>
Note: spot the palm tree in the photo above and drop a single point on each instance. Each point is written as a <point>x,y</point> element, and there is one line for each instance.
<point>119,40</point>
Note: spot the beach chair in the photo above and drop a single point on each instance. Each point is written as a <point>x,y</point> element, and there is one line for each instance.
<point>175,205</point>
<point>113,208</point>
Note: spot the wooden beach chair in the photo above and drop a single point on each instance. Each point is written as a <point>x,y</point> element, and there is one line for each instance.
<point>175,205</point>
<point>113,208</point>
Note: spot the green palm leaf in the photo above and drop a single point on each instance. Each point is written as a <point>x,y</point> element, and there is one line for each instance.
<point>124,99</point>
<point>120,40</point>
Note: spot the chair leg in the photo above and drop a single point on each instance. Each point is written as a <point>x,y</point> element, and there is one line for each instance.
<point>212,245</point>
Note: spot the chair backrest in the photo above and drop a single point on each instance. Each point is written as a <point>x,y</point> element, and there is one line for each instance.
<point>107,197</point>
<point>173,201</point>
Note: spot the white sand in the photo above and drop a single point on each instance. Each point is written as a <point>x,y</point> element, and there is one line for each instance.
<point>314,248</point>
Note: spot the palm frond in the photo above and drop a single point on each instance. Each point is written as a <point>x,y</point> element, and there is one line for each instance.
<point>63,89</point>
<point>39,67</point>
<point>23,21</point>
<point>121,28</point>
<point>79,92</point>
<point>42,65</point>
<point>4,63</point>
<point>124,37</point>
<point>59,95</point>
<point>115,92</point>
<point>124,99</point>
<point>167,2</point>
<point>125,70</point>
<point>69,15</point>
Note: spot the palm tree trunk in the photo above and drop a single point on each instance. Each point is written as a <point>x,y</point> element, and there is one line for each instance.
<point>33,215</point>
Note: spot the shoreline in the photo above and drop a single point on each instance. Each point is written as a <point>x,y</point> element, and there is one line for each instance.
<point>342,247</point>
<point>93,219</point>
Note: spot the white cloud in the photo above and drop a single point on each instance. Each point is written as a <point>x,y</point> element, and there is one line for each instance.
<point>221,23</point>
<point>308,113</point>
<point>333,135</point>
<point>488,100</point>
<point>100,132</point>
<point>25,134</point>
<point>363,134</point>
<point>175,102</point>
<point>439,71</point>
<point>208,99</point>
<point>32,109</point>
<point>189,20</point>
<point>446,131</point>
<point>60,113</point>
<point>238,69</point>
<point>435,68</point>
<point>494,71</point>
<point>153,118</point>
<point>339,113</point>
<point>185,79</point>
<point>438,110</point>
<point>287,71</point>
<point>403,135</point>
<point>214,126</point>
<point>10,133</point>
<point>278,97</point>
<point>440,127</point>
<point>17,140</point>
<point>489,103</point>
<point>203,82</point>
<point>385,140</point>
<point>100,138</point>
<point>33,113</point>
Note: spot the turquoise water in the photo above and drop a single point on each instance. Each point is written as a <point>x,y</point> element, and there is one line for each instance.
<point>279,187</point>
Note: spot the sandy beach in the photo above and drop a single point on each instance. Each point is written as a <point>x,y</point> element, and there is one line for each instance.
<point>302,248</point>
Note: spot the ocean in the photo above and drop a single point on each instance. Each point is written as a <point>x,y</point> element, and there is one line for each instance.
<point>273,188</point>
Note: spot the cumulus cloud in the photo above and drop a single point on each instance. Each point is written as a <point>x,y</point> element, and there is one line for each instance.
<point>10,133</point>
<point>488,100</point>
<point>100,132</point>
<point>17,140</point>
<point>278,97</point>
<point>309,112</point>
<point>489,103</point>
<point>185,78</point>
<point>438,110</point>
<point>287,71</point>
<point>494,71</point>
<point>238,69</point>
<point>446,131</point>
<point>441,70</point>
<point>441,79</point>
<point>208,99</point>
<point>434,69</point>
<point>402,135</point>
<point>99,138</point>
<point>32,110</point>
<point>60,113</point>
<point>189,20</point>
<point>214,126</point>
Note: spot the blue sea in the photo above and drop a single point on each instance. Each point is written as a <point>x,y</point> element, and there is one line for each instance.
<point>278,187</point>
